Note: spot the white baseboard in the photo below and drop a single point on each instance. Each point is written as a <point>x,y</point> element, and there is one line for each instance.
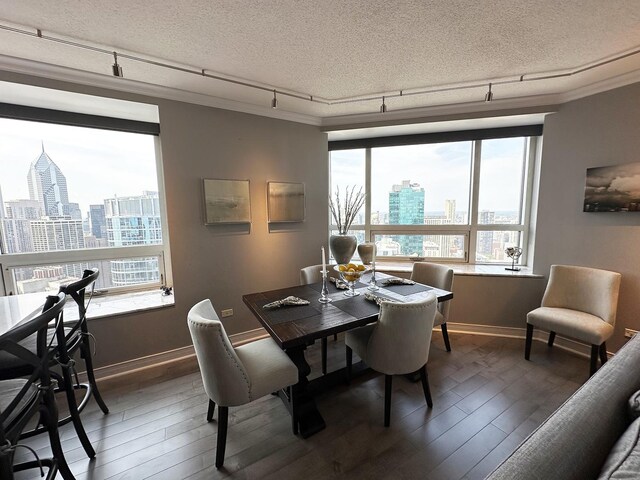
<point>514,332</point>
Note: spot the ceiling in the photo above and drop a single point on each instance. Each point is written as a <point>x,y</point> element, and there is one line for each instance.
<point>333,50</point>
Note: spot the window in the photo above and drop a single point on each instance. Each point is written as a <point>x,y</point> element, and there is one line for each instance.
<point>72,198</point>
<point>464,200</point>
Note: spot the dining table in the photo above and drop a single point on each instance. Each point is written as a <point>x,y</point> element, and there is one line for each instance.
<point>15,309</point>
<point>294,328</point>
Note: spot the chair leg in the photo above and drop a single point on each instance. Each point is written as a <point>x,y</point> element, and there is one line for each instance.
<point>324,355</point>
<point>335,337</point>
<point>293,392</point>
<point>49,418</point>
<point>594,359</point>
<point>527,345</point>
<point>552,337</point>
<point>603,353</point>
<point>424,377</point>
<point>75,414</point>
<point>223,416</point>
<point>85,350</point>
<point>445,336</point>
<point>387,399</point>
<point>210,410</point>
<point>349,363</point>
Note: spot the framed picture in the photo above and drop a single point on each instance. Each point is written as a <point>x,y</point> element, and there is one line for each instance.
<point>226,201</point>
<point>285,202</point>
<point>613,189</point>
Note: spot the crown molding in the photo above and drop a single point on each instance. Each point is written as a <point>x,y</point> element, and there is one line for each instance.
<point>65,74</point>
<point>601,86</point>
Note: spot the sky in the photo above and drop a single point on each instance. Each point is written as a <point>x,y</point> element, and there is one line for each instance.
<point>443,170</point>
<point>97,164</point>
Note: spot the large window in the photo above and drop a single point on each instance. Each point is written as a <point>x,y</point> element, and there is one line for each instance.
<point>465,200</point>
<point>72,198</point>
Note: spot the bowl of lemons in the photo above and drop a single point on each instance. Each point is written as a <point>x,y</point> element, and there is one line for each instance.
<point>350,273</point>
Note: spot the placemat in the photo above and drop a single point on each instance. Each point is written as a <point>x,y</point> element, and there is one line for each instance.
<point>359,306</point>
<point>405,289</point>
<point>332,287</point>
<point>288,313</point>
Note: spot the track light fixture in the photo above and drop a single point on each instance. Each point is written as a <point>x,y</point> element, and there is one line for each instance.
<point>117,69</point>
<point>383,107</point>
<point>489,96</point>
<point>274,102</point>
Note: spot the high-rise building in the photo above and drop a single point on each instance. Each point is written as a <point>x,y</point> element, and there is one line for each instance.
<point>98,221</point>
<point>1,205</point>
<point>484,245</point>
<point>134,221</point>
<point>48,186</point>
<point>450,211</point>
<point>406,207</point>
<point>16,225</point>
<point>50,234</point>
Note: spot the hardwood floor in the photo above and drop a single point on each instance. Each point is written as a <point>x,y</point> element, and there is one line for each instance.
<point>487,399</point>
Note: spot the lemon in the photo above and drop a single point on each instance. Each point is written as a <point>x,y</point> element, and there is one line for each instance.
<point>342,268</point>
<point>361,268</point>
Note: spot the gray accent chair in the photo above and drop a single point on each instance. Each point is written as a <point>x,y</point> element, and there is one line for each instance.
<point>576,440</point>
<point>580,303</point>
<point>397,344</point>
<point>313,274</point>
<point>237,376</point>
<point>438,276</point>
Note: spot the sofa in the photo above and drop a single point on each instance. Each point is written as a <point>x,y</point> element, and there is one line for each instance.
<point>594,428</point>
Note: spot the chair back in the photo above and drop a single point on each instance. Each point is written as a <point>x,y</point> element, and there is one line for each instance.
<point>435,275</point>
<point>11,417</point>
<point>401,338</point>
<point>77,290</point>
<point>313,274</point>
<point>584,289</point>
<point>225,378</point>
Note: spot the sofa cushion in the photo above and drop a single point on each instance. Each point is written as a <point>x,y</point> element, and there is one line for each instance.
<point>623,462</point>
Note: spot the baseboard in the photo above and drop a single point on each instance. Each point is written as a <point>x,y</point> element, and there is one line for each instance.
<point>515,332</point>
<point>164,365</point>
<point>182,361</point>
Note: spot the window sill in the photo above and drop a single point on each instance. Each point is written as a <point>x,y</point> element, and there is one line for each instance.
<point>462,269</point>
<point>126,303</point>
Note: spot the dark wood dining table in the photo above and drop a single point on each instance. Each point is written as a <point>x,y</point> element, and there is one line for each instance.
<point>295,327</point>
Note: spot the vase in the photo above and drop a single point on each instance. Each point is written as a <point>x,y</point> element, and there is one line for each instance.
<point>342,247</point>
<point>366,252</point>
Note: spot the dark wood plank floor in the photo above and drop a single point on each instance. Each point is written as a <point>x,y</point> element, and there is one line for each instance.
<point>487,399</point>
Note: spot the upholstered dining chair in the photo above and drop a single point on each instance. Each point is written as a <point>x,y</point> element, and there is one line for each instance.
<point>580,303</point>
<point>438,276</point>
<point>22,398</point>
<point>237,376</point>
<point>397,344</point>
<point>313,274</point>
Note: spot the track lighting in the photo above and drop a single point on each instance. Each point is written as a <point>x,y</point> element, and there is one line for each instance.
<point>489,96</point>
<point>117,69</point>
<point>274,102</point>
<point>383,107</point>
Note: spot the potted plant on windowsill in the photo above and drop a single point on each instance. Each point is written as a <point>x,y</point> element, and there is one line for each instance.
<point>344,212</point>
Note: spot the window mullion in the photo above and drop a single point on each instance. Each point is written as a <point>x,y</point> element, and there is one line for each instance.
<point>367,189</point>
<point>474,200</point>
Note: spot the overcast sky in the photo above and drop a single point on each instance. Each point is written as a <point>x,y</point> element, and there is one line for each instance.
<point>443,170</point>
<point>97,164</point>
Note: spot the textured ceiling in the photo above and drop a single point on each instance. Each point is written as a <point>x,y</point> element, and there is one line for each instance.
<point>334,48</point>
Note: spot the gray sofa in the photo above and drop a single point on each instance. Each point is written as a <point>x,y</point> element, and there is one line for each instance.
<point>575,441</point>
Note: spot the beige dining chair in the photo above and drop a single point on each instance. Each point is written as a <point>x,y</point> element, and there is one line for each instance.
<point>237,376</point>
<point>580,303</point>
<point>397,344</point>
<point>438,276</point>
<point>309,275</point>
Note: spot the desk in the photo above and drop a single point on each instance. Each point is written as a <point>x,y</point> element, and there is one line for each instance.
<point>293,328</point>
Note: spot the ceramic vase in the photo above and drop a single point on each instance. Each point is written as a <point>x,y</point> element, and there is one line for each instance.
<point>342,247</point>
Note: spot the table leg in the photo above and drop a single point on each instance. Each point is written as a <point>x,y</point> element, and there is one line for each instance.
<point>310,420</point>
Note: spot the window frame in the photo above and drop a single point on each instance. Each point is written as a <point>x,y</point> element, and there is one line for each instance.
<point>533,136</point>
<point>10,261</point>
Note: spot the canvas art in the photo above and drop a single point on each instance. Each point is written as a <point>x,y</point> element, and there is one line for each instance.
<point>285,201</point>
<point>227,201</point>
<point>613,189</point>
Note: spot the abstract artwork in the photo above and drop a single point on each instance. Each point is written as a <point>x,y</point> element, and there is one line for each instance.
<point>613,189</point>
<point>226,201</point>
<point>285,201</point>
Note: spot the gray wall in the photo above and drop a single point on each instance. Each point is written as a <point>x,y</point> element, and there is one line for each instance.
<point>220,263</point>
<point>595,131</point>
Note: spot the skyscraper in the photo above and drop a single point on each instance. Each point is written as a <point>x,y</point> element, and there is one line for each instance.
<point>406,207</point>
<point>98,221</point>
<point>16,225</point>
<point>48,186</point>
<point>450,211</point>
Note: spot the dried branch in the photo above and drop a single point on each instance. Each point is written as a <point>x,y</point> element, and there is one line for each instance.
<point>345,213</point>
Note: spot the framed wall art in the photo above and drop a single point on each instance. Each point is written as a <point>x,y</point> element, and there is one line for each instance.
<point>285,202</point>
<point>226,201</point>
<point>613,189</point>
